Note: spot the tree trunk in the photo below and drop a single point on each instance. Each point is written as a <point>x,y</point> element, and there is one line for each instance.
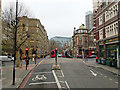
<point>17,59</point>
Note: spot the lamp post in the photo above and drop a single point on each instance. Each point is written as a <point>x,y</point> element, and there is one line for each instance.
<point>15,43</point>
<point>118,37</point>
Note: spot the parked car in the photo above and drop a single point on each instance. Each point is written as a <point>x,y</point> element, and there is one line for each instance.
<point>59,55</point>
<point>79,56</point>
<point>92,56</point>
<point>6,58</point>
<point>69,56</point>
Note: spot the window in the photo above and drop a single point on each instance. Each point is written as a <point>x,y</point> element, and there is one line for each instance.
<point>26,29</point>
<point>37,25</point>
<point>37,31</point>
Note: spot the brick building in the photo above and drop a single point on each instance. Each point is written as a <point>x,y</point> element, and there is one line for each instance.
<point>80,41</point>
<point>107,23</point>
<point>38,39</point>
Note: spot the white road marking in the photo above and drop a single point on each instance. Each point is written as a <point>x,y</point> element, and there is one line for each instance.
<point>42,72</point>
<point>94,74</point>
<point>101,74</point>
<point>58,84</point>
<point>116,82</point>
<point>61,81</point>
<point>42,83</point>
<point>67,85</point>
<point>60,76</point>
<point>105,76</point>
<point>110,79</point>
<point>62,73</point>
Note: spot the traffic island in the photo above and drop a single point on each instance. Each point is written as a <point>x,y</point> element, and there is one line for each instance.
<point>56,67</point>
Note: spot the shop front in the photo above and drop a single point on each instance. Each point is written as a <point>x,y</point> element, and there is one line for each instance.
<point>112,51</point>
<point>111,48</point>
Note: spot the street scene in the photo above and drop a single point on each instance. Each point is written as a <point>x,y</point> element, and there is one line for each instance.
<point>60,45</point>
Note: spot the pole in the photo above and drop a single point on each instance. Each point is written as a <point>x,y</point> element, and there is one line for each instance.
<point>118,36</point>
<point>15,44</point>
<point>26,62</point>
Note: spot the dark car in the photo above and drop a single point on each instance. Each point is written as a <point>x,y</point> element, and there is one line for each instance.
<point>79,56</point>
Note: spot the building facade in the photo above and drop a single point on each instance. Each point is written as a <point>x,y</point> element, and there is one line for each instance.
<point>89,20</point>
<point>80,41</point>
<point>37,40</point>
<point>107,23</point>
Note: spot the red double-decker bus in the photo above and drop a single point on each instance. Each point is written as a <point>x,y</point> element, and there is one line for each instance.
<point>52,53</point>
<point>91,53</point>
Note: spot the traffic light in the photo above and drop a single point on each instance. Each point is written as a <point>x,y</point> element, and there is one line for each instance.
<point>27,52</point>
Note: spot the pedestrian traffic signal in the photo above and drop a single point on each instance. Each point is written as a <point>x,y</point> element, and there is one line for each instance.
<point>27,52</point>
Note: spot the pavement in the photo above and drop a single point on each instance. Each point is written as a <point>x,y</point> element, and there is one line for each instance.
<point>93,63</point>
<point>20,74</point>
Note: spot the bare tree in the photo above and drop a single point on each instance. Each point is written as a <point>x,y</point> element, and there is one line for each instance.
<point>52,44</point>
<point>8,28</point>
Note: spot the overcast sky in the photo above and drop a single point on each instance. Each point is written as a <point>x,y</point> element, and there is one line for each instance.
<point>58,16</point>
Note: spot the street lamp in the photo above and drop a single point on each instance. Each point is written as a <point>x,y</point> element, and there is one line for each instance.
<point>15,43</point>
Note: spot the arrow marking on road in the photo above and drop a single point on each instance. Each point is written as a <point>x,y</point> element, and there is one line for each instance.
<point>94,74</point>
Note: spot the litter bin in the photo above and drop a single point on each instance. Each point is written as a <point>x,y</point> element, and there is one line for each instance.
<point>103,61</point>
<point>99,60</point>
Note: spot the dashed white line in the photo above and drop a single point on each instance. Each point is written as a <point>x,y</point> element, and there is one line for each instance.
<point>116,82</point>
<point>58,84</point>
<point>62,73</point>
<point>105,76</point>
<point>110,79</point>
<point>101,74</point>
<point>67,85</point>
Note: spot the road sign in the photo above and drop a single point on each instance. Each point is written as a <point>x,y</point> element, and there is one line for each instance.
<point>119,56</point>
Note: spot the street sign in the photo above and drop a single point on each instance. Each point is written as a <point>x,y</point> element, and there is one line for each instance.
<point>119,56</point>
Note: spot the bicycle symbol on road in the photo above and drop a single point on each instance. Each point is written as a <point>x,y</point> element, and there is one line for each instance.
<point>39,77</point>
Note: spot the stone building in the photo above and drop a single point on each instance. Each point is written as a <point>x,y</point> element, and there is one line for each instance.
<point>80,41</point>
<point>107,23</point>
<point>37,40</point>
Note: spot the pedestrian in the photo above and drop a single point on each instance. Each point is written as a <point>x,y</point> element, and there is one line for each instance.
<point>96,58</point>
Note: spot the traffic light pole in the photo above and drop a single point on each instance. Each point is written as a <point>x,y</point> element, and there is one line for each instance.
<point>26,62</point>
<point>56,57</point>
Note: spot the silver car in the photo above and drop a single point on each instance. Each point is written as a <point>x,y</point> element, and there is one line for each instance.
<point>6,58</point>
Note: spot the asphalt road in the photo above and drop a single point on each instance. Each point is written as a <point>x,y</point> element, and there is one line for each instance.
<point>73,74</point>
